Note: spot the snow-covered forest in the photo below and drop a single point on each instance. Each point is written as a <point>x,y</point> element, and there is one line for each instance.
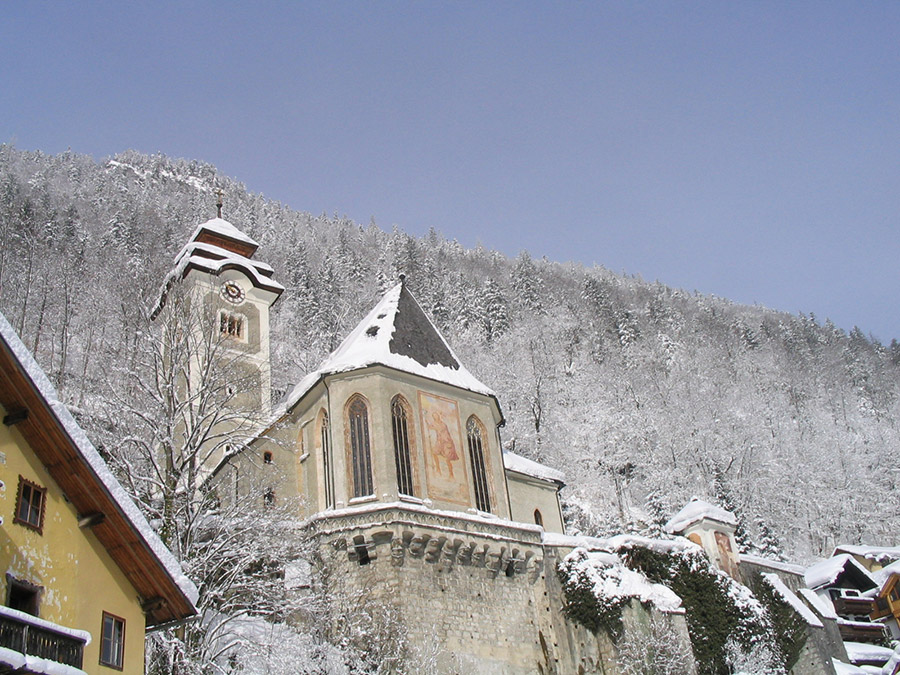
<point>643,394</point>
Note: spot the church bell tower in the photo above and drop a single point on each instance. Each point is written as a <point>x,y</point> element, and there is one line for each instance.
<point>230,295</point>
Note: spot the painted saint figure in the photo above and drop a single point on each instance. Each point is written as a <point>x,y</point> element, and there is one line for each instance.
<point>442,445</point>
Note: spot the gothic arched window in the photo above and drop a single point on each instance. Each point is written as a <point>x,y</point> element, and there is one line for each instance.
<point>325,448</point>
<point>475,434</point>
<point>400,416</point>
<point>360,453</point>
<point>538,518</point>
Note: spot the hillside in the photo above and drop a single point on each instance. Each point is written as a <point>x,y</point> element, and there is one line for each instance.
<point>643,394</point>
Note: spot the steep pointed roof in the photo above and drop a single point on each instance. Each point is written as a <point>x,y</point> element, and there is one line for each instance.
<point>396,334</point>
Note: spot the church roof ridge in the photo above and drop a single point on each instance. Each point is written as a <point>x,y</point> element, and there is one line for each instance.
<point>397,334</point>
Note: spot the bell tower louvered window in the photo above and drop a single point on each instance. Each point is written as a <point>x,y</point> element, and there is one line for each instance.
<point>476,457</point>
<point>360,453</point>
<point>400,426</point>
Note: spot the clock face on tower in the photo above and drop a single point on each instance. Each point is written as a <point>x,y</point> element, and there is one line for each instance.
<point>233,293</point>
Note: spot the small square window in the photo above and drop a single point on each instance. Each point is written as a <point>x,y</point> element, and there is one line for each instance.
<point>30,505</point>
<point>112,642</point>
<point>267,457</point>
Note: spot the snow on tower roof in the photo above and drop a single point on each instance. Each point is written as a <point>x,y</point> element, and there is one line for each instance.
<point>514,462</point>
<point>695,511</point>
<point>89,483</point>
<point>221,227</point>
<point>396,334</point>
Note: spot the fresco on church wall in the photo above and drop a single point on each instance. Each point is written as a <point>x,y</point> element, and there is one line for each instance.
<point>445,466</point>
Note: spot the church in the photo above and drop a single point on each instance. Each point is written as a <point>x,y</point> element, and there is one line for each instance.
<point>392,451</point>
<point>389,457</point>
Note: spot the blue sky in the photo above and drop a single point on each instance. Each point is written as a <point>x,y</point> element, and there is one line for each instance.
<point>748,150</point>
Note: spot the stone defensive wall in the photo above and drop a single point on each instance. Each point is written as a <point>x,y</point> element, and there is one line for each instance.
<point>483,592</point>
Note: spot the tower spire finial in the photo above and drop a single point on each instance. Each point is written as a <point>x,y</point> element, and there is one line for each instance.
<point>220,194</point>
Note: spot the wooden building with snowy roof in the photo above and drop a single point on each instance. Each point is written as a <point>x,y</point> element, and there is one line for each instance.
<point>84,574</point>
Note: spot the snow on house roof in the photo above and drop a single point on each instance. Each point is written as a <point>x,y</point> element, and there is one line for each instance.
<point>223,228</point>
<point>861,652</point>
<point>695,511</point>
<point>93,461</point>
<point>788,596</point>
<point>514,462</point>
<point>827,572</point>
<point>880,554</point>
<point>881,576</point>
<point>396,334</point>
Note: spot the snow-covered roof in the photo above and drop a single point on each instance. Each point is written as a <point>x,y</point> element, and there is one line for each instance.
<point>193,256</point>
<point>879,554</point>
<point>788,596</point>
<point>841,668</point>
<point>861,652</point>
<point>519,464</point>
<point>204,252</point>
<point>827,572</point>
<point>881,576</point>
<point>396,334</point>
<point>695,511</point>
<point>223,228</point>
<point>92,460</point>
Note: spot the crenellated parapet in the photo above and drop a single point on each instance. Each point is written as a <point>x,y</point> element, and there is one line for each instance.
<point>397,535</point>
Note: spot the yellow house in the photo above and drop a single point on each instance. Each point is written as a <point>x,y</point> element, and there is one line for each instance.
<point>83,574</point>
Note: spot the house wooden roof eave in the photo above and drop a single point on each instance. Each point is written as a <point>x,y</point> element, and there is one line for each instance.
<point>42,429</point>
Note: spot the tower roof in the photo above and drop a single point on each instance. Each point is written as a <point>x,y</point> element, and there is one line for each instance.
<point>214,247</point>
<point>396,334</point>
<point>219,232</point>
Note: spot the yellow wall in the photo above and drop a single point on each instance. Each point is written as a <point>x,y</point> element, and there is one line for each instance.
<point>79,579</point>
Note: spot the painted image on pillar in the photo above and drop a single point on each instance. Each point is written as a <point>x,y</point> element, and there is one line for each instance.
<point>445,467</point>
